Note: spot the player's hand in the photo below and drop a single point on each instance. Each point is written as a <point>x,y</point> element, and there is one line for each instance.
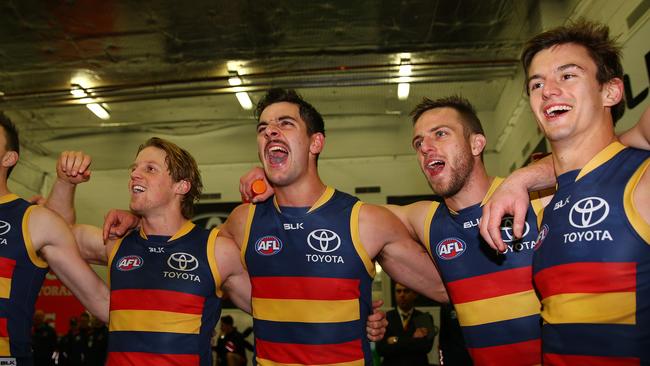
<point>118,222</point>
<point>246,186</point>
<point>73,167</point>
<point>511,198</point>
<point>420,333</point>
<point>377,323</point>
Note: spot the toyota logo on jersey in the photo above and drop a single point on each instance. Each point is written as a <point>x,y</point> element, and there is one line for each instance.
<point>268,245</point>
<point>129,263</point>
<point>450,248</point>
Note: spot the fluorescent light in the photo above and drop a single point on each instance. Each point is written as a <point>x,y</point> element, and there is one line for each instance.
<point>78,91</point>
<point>234,81</point>
<point>98,110</point>
<point>405,70</point>
<point>244,100</point>
<point>403,91</point>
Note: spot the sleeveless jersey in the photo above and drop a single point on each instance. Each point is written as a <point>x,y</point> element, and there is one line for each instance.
<point>165,299</point>
<point>592,268</point>
<point>311,282</point>
<point>21,275</point>
<point>493,294</point>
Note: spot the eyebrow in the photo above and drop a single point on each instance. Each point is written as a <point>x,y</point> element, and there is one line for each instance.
<point>560,68</point>
<point>432,129</point>
<point>279,119</point>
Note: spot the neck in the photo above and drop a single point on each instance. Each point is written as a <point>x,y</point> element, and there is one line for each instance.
<point>302,193</point>
<point>575,153</point>
<point>4,190</point>
<point>473,191</point>
<point>165,225</point>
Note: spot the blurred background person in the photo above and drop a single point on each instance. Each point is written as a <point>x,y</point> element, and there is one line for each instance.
<point>410,333</point>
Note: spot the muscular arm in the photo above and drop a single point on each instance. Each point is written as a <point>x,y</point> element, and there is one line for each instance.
<point>234,278</point>
<point>404,260</point>
<point>72,168</point>
<point>91,245</point>
<point>52,238</point>
<point>412,217</point>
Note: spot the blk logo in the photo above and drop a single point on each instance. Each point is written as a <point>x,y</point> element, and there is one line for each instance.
<point>588,212</point>
<point>506,229</point>
<point>182,262</point>
<point>4,227</point>
<point>268,245</point>
<point>450,248</point>
<point>129,263</point>
<point>323,240</point>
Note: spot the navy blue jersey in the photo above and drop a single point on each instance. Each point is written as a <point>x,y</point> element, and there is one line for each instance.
<point>493,293</point>
<point>592,268</point>
<point>21,275</point>
<point>311,282</point>
<point>165,298</point>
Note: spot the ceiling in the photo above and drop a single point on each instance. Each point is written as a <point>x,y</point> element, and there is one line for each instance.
<point>162,67</point>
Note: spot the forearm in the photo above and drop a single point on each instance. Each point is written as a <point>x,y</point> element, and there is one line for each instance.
<point>415,270</point>
<point>537,176</point>
<point>61,200</point>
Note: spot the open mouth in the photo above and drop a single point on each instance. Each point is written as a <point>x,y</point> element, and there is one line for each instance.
<point>276,154</point>
<point>435,166</point>
<point>556,110</point>
<point>137,189</point>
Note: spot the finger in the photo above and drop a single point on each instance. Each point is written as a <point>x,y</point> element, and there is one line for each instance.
<point>519,219</point>
<point>483,226</point>
<point>494,228</point>
<point>70,162</point>
<point>84,165</point>
<point>377,304</point>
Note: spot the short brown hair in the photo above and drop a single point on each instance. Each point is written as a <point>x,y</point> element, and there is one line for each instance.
<point>602,49</point>
<point>471,123</point>
<point>181,166</point>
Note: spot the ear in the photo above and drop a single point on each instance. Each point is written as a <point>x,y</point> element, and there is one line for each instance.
<point>613,92</point>
<point>316,143</point>
<point>477,141</point>
<point>182,187</point>
<point>9,159</point>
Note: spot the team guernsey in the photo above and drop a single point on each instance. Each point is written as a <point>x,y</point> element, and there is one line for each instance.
<point>21,275</point>
<point>493,293</point>
<point>311,282</point>
<point>592,268</point>
<point>165,298</point>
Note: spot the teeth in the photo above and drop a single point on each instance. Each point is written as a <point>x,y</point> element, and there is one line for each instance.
<point>434,162</point>
<point>138,189</point>
<point>277,148</point>
<point>557,108</point>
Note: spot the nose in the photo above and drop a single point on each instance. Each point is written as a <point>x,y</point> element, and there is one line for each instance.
<point>550,88</point>
<point>271,130</point>
<point>428,144</point>
<point>134,173</point>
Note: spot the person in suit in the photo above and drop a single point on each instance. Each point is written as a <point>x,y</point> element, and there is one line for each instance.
<point>410,332</point>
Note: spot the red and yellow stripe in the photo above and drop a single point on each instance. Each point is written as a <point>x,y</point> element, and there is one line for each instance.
<point>515,354</point>
<point>494,297</point>
<point>150,359</point>
<point>341,354</point>
<point>4,338</point>
<point>330,300</point>
<point>588,296</point>
<point>155,311</point>
<point>7,266</point>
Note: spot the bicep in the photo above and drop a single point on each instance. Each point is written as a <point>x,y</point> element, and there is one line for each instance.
<point>91,243</point>
<point>235,280</point>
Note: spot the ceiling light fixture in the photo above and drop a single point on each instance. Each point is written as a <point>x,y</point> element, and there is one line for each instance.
<point>242,96</point>
<point>80,93</point>
<point>403,86</point>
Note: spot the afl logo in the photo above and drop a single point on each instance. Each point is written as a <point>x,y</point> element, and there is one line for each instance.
<point>450,248</point>
<point>182,262</point>
<point>588,212</point>
<point>323,240</point>
<point>4,227</point>
<point>541,236</point>
<point>268,245</point>
<point>129,263</point>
